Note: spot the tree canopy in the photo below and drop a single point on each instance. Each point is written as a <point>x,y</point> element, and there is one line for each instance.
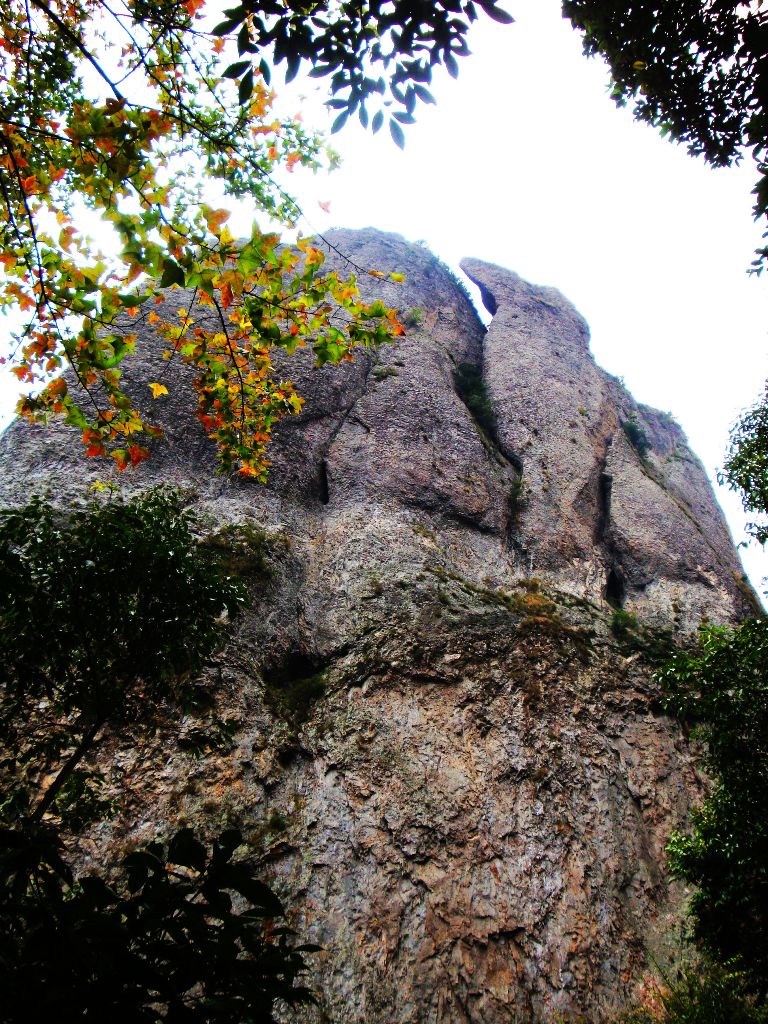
<point>721,689</point>
<point>106,616</point>
<point>130,108</point>
<point>698,72</point>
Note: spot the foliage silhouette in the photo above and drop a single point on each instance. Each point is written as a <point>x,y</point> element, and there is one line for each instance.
<point>180,933</point>
<point>105,616</point>
<point>721,689</point>
<point>698,72</point>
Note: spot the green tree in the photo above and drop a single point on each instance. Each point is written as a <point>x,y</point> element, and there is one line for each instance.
<point>698,72</point>
<point>131,107</point>
<point>721,690</point>
<point>106,615</point>
<point>746,466</point>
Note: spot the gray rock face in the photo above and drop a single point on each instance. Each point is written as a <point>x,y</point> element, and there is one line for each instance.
<point>455,769</point>
<point>617,505</point>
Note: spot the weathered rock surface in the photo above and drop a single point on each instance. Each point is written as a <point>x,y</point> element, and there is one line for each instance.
<point>458,773</point>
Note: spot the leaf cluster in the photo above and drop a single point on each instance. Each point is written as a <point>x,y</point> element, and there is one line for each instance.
<point>721,690</point>
<point>95,607</point>
<point>353,43</point>
<point>135,148</point>
<point>698,72</point>
<point>180,934</point>
<point>746,465</point>
<point>104,617</point>
<point>707,993</point>
<point>636,435</point>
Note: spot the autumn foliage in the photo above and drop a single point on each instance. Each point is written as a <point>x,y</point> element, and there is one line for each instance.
<point>126,109</point>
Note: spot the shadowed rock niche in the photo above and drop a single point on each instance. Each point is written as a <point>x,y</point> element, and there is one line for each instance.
<point>451,757</point>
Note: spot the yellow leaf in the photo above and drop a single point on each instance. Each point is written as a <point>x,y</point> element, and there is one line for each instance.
<point>215,218</point>
<point>398,278</point>
<point>158,389</point>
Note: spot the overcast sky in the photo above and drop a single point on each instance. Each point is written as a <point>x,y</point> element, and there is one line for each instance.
<point>526,162</point>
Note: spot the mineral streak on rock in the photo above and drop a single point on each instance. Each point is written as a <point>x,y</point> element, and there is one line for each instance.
<point>458,773</point>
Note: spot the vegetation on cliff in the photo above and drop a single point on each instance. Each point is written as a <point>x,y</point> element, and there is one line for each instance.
<point>106,617</point>
<point>720,689</point>
<point>130,111</point>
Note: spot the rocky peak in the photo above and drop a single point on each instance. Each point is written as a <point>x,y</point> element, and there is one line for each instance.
<point>448,757</point>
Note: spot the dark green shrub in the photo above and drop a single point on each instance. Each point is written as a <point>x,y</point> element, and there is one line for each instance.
<point>471,390</point>
<point>636,435</point>
<point>414,317</point>
<point>721,690</point>
<point>709,994</point>
<point>105,615</point>
<point>161,941</point>
<point>623,623</point>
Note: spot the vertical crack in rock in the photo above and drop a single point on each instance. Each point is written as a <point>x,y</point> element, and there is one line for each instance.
<point>323,484</point>
<point>615,582</point>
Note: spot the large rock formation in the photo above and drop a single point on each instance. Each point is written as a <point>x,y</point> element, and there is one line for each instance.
<point>447,757</point>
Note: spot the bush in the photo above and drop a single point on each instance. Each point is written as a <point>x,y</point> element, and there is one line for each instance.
<point>721,689</point>
<point>711,994</point>
<point>636,436</point>
<point>471,390</point>
<point>623,623</point>
<point>163,941</point>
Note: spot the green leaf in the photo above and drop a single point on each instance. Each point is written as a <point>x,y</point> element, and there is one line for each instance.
<point>340,121</point>
<point>184,849</point>
<point>172,274</point>
<point>495,12</point>
<point>397,133</point>
<point>236,69</point>
<point>246,87</point>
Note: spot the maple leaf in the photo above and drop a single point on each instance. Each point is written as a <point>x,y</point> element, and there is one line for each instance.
<point>120,455</point>
<point>137,454</point>
<point>158,389</point>
<point>215,218</point>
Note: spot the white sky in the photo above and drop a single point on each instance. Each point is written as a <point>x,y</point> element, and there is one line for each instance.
<point>526,162</point>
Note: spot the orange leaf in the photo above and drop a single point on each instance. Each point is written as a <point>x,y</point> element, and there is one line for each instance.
<point>120,455</point>
<point>215,218</point>
<point>225,292</point>
<point>137,454</point>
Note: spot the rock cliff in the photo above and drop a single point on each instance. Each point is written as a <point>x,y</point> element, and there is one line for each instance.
<point>450,754</point>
